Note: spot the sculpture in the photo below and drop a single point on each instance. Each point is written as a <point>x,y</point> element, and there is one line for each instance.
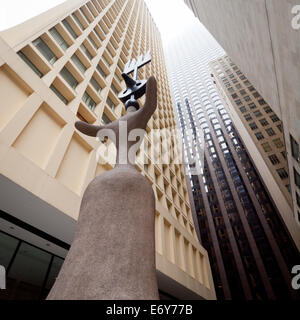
<point>113,252</point>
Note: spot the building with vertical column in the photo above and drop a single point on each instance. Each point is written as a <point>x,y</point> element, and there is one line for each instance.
<point>250,249</point>
<point>262,133</point>
<point>59,67</point>
<point>261,38</point>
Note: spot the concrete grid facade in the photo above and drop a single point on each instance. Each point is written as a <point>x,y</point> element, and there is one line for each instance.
<point>261,131</point>
<point>259,37</point>
<point>66,65</point>
<point>251,251</point>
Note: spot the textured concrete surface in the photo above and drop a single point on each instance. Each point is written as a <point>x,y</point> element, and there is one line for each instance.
<point>113,252</point>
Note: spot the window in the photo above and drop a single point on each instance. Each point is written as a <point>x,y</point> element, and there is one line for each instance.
<point>111,104</point>
<point>69,28</point>
<point>30,64</point>
<point>256,95</point>
<point>98,35</point>
<point>266,146</point>
<point>105,119</point>
<point>252,105</point>
<point>86,16</point>
<point>253,126</point>
<point>274,118</point>
<point>238,102</point>
<point>103,74</point>
<point>259,136</point>
<point>93,42</point>
<point>86,51</point>
<point>114,89</point>
<point>77,20</point>
<point>111,53</point>
<point>243,92</point>
<point>243,109</point>
<point>60,96</point>
<point>251,88</point>
<point>23,258</point>
<point>274,159</point>
<point>106,61</point>
<point>278,143</point>
<point>257,113</point>
<point>264,122</point>
<point>229,205</point>
<point>78,63</point>
<point>297,178</point>
<point>295,149</point>
<point>268,110</point>
<point>88,100</point>
<point>96,85</point>
<point>248,117</point>
<point>234,96</point>
<point>282,173</point>
<point>45,50</point>
<point>261,102</point>
<point>67,75</point>
<point>8,246</point>
<point>270,132</point>
<point>279,127</point>
<point>58,38</point>
<point>247,99</point>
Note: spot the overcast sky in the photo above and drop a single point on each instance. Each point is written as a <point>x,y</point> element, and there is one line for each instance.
<point>13,12</point>
<point>171,16</point>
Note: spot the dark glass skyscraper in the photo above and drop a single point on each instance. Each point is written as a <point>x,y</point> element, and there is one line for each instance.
<point>250,250</point>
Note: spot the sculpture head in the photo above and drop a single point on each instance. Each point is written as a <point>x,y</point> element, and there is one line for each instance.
<point>134,121</point>
<point>136,118</point>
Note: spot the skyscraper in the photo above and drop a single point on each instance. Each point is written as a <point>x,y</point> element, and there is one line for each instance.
<point>56,68</point>
<point>262,38</point>
<point>262,133</point>
<point>251,251</point>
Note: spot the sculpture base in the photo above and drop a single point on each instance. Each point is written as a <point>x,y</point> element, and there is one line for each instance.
<point>112,256</point>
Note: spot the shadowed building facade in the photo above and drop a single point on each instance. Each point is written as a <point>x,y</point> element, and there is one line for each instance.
<point>251,251</point>
<point>262,40</point>
<point>63,66</point>
<point>261,131</point>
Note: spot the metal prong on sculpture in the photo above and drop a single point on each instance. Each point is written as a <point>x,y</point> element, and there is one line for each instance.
<point>129,81</point>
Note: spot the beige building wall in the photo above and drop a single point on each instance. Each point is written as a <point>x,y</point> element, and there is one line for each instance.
<point>45,164</point>
<point>259,37</point>
<point>261,131</point>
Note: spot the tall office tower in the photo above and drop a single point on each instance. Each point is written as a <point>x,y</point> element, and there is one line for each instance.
<point>250,249</point>
<point>262,38</point>
<point>55,69</point>
<point>261,132</point>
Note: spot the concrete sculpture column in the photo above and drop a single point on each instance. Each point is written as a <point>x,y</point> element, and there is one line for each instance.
<point>113,252</point>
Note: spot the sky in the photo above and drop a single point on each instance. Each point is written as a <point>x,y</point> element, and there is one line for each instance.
<point>171,16</point>
<point>13,12</point>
